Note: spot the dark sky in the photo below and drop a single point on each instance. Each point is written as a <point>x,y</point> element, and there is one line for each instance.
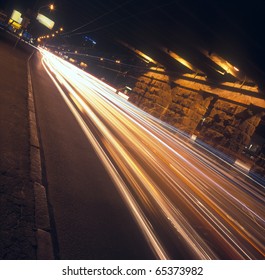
<point>234,29</point>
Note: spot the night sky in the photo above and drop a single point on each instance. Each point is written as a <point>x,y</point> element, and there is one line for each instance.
<point>234,29</point>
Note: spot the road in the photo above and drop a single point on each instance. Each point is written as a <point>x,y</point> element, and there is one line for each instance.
<point>90,221</point>
<point>185,204</point>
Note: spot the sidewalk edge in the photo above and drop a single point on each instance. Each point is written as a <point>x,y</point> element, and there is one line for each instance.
<point>42,220</point>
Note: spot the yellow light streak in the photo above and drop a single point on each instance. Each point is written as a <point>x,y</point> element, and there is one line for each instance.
<point>162,172</point>
<point>182,61</point>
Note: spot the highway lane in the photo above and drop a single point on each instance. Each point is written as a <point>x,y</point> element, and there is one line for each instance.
<point>90,221</point>
<point>185,205</point>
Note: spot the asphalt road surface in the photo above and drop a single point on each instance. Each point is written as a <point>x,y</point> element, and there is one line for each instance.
<point>151,194</point>
<point>90,219</point>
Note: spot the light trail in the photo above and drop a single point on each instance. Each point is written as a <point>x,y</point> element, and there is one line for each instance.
<point>179,198</point>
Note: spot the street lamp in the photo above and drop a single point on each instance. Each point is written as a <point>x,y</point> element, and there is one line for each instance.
<point>50,6</point>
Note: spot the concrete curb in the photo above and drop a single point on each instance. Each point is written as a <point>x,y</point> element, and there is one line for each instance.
<point>42,220</point>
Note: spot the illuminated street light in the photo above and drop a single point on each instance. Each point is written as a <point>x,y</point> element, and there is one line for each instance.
<point>50,6</point>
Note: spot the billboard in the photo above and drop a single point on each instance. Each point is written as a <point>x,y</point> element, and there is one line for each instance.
<point>45,21</point>
<point>16,16</point>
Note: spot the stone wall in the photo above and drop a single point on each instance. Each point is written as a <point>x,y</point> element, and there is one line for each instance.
<point>224,123</point>
<point>186,109</point>
<point>229,126</point>
<point>152,93</point>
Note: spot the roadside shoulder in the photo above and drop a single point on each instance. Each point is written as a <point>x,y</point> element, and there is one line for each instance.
<point>42,220</point>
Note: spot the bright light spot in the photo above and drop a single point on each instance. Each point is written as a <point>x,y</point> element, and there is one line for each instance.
<point>182,61</point>
<point>16,16</point>
<point>45,21</point>
<point>123,95</point>
<point>82,64</point>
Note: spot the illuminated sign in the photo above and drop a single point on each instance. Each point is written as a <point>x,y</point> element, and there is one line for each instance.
<point>14,24</point>
<point>16,16</point>
<point>45,21</point>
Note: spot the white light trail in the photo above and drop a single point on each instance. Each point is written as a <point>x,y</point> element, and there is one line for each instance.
<point>173,182</point>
